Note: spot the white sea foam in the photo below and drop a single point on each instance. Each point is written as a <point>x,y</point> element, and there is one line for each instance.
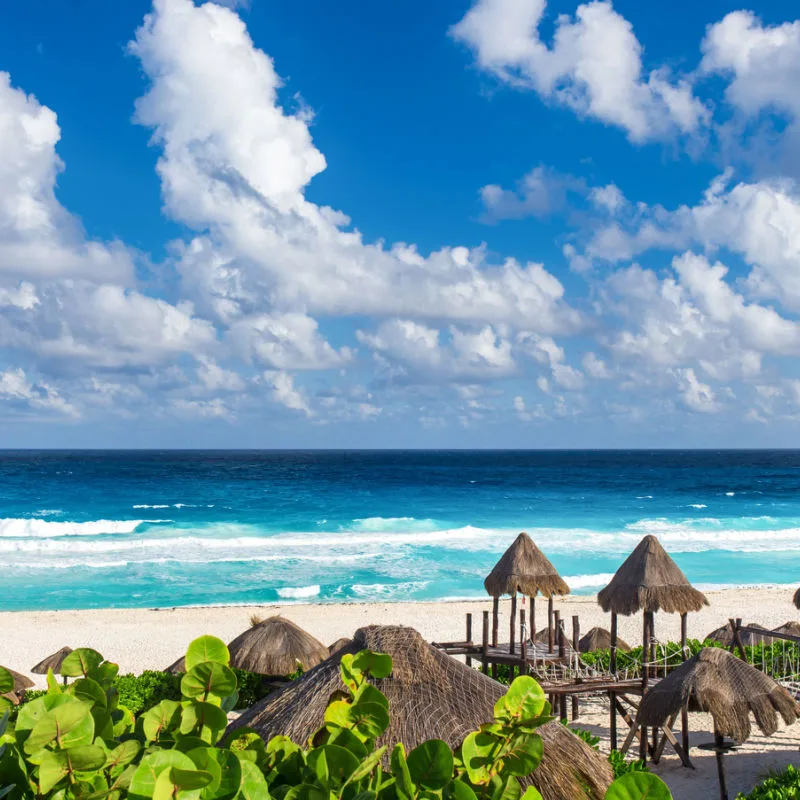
<point>12,528</point>
<point>697,505</point>
<point>393,524</point>
<point>386,591</point>
<point>144,505</point>
<point>730,494</point>
<point>644,497</point>
<point>587,581</point>
<point>298,592</point>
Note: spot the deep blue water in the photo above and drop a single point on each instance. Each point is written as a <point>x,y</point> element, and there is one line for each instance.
<point>102,529</point>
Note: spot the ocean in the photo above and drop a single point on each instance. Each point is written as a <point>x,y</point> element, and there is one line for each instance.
<point>162,529</point>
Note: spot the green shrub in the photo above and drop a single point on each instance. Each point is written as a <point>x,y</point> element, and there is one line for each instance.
<point>141,692</point>
<point>79,742</point>
<point>784,786</point>
<point>623,766</point>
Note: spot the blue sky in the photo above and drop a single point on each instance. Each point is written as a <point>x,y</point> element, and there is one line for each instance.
<point>501,223</point>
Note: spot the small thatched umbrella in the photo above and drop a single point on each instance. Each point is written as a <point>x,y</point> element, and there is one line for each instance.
<point>649,581</point>
<point>791,627</point>
<point>599,639</point>
<point>724,635</point>
<point>523,568</point>
<point>796,599</point>
<point>339,644</point>
<point>52,662</point>
<point>177,667</point>
<point>21,682</point>
<point>276,646</point>
<point>717,682</point>
<point>431,696</point>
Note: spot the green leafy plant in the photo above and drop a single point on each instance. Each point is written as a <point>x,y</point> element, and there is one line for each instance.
<point>783,786</point>
<point>622,766</point>
<point>79,742</point>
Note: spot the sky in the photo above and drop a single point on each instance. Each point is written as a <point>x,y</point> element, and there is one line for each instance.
<point>488,223</point>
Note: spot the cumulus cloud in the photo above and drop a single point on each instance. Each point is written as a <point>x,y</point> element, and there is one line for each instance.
<point>593,66</point>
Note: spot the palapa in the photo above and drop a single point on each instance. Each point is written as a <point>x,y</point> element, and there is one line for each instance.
<point>724,635</point>
<point>797,599</point>
<point>599,639</point>
<point>339,644</point>
<point>791,627</point>
<point>177,667</point>
<point>276,646</point>
<point>21,682</point>
<point>526,569</point>
<point>431,695</point>
<point>52,662</point>
<point>649,580</point>
<point>719,683</point>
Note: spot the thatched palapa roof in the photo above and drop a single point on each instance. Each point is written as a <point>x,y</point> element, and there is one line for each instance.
<point>177,667</point>
<point>524,568</point>
<point>599,639</point>
<point>791,627</point>
<point>649,580</point>
<point>52,662</point>
<point>431,695</point>
<point>339,644</point>
<point>276,646</point>
<point>724,635</point>
<point>20,681</point>
<point>796,599</point>
<point>726,687</point>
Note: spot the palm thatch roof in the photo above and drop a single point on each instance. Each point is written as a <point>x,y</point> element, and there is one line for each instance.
<point>339,644</point>
<point>791,627</point>
<point>599,639</point>
<point>649,580</point>
<point>524,568</point>
<point>726,687</point>
<point>20,681</point>
<point>431,695</point>
<point>52,662</point>
<point>724,635</point>
<point>177,667</point>
<point>276,646</point>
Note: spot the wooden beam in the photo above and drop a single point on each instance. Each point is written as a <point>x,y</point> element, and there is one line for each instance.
<point>469,637</point>
<point>485,647</point>
<point>612,697</point>
<point>576,636</point>
<point>513,623</point>
<point>684,711</point>
<point>495,619</point>
<point>550,613</point>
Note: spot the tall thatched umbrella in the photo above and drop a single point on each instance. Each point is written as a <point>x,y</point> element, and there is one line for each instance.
<point>276,646</point>
<point>523,568</point>
<point>717,682</point>
<point>52,662</point>
<point>649,581</point>
<point>431,696</point>
<point>599,639</point>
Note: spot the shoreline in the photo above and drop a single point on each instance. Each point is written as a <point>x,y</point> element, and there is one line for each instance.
<point>151,638</point>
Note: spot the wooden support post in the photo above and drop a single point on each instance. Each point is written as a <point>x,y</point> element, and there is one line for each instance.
<point>523,644</point>
<point>684,711</point>
<point>513,624</point>
<point>550,613</point>
<point>612,696</point>
<point>723,786</point>
<point>576,637</point>
<point>645,668</point>
<point>557,630</point>
<point>562,640</point>
<point>495,619</point>
<point>533,619</point>
<point>485,643</point>
<point>469,637</point>
<point>737,637</point>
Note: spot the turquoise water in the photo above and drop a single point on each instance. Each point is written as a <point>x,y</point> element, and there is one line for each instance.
<point>141,529</point>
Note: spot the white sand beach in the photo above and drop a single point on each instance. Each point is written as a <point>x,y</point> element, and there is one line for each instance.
<point>140,639</point>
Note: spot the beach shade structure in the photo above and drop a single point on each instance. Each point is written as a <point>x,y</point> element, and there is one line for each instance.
<point>177,667</point>
<point>791,628</point>
<point>431,696</point>
<point>599,639</point>
<point>339,644</point>
<point>796,599</point>
<point>52,662</point>
<point>648,581</point>
<point>729,689</point>
<point>276,646</point>
<point>724,636</point>
<point>21,682</point>
<point>526,570</point>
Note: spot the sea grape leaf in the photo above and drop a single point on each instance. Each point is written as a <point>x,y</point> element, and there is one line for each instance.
<point>254,785</point>
<point>6,681</point>
<point>431,764</point>
<point>379,665</point>
<point>208,681</point>
<point>638,786</point>
<point>80,662</point>
<point>524,701</point>
<point>69,725</point>
<point>143,782</point>
<point>207,648</point>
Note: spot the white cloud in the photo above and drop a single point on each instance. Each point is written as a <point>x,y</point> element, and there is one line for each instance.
<point>541,192</point>
<point>286,394</point>
<point>696,395</point>
<point>235,165</point>
<point>594,65</point>
<point>595,367</point>
<point>15,387</point>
